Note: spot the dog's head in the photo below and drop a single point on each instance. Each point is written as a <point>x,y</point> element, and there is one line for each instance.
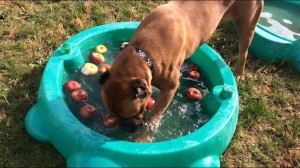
<point>125,99</point>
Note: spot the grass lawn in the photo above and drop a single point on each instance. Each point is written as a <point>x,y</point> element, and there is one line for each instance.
<point>268,130</point>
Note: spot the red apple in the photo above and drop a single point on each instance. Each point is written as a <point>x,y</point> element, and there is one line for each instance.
<point>194,74</point>
<point>97,58</point>
<point>109,121</point>
<point>193,94</point>
<point>79,95</point>
<point>150,104</point>
<point>72,85</point>
<point>104,68</point>
<point>87,111</point>
<point>193,67</point>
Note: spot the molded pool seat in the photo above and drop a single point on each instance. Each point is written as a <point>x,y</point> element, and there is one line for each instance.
<point>269,46</point>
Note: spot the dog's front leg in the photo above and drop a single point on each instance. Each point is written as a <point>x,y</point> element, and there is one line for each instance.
<point>147,131</point>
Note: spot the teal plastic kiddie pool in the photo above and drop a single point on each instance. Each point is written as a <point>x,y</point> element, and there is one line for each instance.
<point>51,121</point>
<point>277,36</point>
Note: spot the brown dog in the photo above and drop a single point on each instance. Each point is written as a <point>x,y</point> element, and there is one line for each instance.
<point>167,36</point>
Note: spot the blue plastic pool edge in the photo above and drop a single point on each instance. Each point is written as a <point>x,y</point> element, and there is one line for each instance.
<point>50,120</point>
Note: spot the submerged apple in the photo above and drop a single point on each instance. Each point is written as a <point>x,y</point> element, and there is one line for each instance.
<point>97,58</point>
<point>72,85</point>
<point>104,68</point>
<point>79,95</point>
<point>193,67</point>
<point>194,74</point>
<point>89,69</point>
<point>193,94</point>
<point>87,111</point>
<point>109,121</point>
<point>101,49</point>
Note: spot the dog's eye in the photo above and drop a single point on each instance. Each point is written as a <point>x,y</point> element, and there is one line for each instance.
<point>139,88</point>
<point>141,94</point>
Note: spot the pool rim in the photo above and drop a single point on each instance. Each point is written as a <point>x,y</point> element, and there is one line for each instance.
<point>104,143</point>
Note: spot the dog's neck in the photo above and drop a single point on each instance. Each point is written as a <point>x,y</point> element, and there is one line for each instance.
<point>144,56</point>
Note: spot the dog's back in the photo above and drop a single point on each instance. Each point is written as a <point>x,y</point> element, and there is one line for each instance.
<point>170,34</point>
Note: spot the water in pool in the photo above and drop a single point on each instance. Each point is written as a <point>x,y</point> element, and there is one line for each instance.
<point>181,117</point>
<point>282,18</point>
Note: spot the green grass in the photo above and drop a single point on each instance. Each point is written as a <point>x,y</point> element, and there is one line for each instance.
<point>268,130</point>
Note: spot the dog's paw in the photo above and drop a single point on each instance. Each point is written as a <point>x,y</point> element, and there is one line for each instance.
<point>145,134</point>
<point>240,77</point>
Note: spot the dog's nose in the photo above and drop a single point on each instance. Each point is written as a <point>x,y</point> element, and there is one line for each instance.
<point>130,126</point>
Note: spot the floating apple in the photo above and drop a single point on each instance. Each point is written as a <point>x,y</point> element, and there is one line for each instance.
<point>123,45</point>
<point>72,85</point>
<point>79,95</point>
<point>193,67</point>
<point>104,68</point>
<point>87,111</point>
<point>97,58</point>
<point>193,94</point>
<point>150,104</point>
<point>101,49</point>
<point>194,74</point>
<point>109,121</point>
<point>89,69</point>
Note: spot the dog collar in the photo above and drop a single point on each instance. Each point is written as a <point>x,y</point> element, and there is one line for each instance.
<point>144,56</point>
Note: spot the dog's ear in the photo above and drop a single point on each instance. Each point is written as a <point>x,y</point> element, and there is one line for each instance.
<point>140,88</point>
<point>104,77</point>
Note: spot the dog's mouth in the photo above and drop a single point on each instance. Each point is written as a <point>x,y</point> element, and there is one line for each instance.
<point>131,125</point>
